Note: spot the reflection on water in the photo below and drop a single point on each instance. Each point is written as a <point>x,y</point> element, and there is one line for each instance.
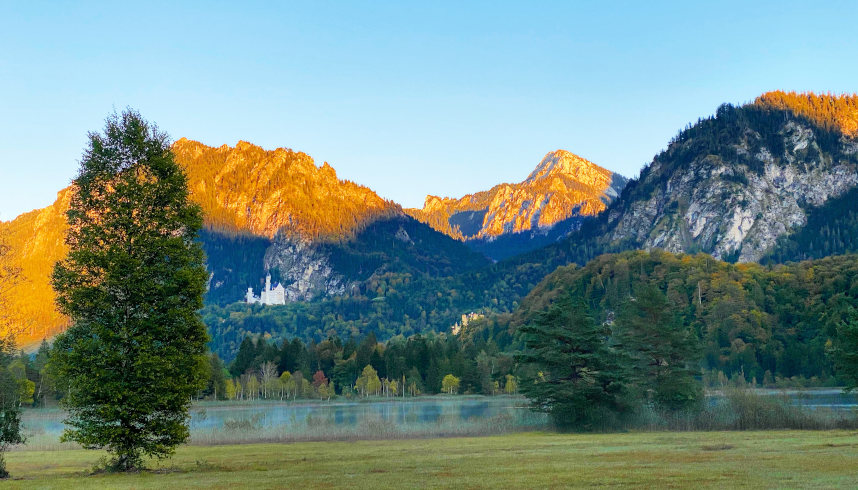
<point>208,417</point>
<point>398,412</point>
<point>829,398</point>
<point>833,399</point>
<point>425,416</point>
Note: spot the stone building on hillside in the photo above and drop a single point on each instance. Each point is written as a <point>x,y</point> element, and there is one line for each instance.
<point>268,296</point>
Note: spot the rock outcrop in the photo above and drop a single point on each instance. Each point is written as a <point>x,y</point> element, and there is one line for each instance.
<point>305,270</point>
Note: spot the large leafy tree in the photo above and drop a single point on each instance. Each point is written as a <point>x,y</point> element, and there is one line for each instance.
<point>10,402</point>
<point>571,370</point>
<point>132,285</point>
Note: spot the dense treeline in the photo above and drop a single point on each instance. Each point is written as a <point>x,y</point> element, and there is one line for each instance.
<point>477,360</point>
<point>833,112</point>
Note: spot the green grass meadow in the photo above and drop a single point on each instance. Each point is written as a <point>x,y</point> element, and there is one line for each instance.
<point>765,459</point>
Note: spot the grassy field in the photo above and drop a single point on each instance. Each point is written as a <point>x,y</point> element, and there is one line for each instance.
<point>664,459</point>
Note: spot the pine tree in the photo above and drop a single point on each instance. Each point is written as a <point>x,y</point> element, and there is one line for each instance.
<point>571,370</point>
<point>845,352</point>
<point>667,352</point>
<point>132,284</point>
<point>247,353</point>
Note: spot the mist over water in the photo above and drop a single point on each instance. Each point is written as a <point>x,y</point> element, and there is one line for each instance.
<point>233,422</point>
<point>436,416</point>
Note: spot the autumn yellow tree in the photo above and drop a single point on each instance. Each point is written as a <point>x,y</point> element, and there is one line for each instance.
<point>450,384</point>
<point>368,382</point>
<point>511,386</point>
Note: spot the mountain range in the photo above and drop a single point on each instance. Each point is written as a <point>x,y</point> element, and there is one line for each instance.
<point>562,186</point>
<point>773,180</point>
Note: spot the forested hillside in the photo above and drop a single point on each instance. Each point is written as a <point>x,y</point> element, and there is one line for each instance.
<point>768,324</point>
<point>732,185</point>
<point>386,305</point>
<point>752,318</point>
<point>764,322</point>
<point>695,196</point>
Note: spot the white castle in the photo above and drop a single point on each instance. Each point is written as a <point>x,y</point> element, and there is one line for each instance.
<point>268,296</point>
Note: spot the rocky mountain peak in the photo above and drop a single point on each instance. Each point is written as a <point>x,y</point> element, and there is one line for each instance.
<point>248,188</point>
<point>567,164</point>
<point>561,186</point>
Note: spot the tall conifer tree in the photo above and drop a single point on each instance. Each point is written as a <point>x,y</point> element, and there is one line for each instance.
<point>845,351</point>
<point>572,372</point>
<point>666,350</point>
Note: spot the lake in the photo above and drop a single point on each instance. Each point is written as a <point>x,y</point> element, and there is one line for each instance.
<point>430,416</point>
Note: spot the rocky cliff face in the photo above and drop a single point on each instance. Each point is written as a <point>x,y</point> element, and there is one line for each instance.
<point>264,192</point>
<point>305,270</point>
<point>36,241</point>
<point>563,185</point>
<point>732,185</point>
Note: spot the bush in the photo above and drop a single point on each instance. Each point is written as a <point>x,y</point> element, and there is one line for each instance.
<point>741,408</point>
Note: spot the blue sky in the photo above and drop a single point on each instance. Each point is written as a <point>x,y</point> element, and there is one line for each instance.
<point>407,98</point>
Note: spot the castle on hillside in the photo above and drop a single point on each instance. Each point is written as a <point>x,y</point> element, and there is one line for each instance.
<point>268,296</point>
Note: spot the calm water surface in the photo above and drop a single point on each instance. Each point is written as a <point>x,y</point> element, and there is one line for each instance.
<point>209,416</point>
<point>461,411</point>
